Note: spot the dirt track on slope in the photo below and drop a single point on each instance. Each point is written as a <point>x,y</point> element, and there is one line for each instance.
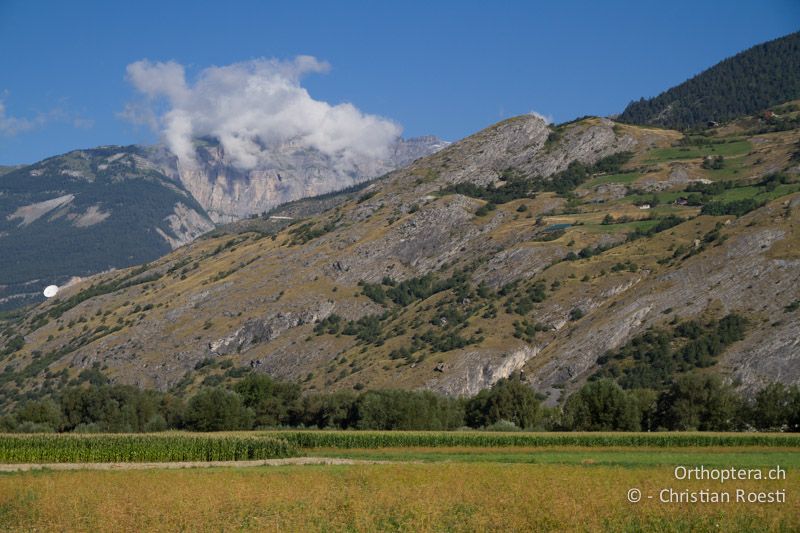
<point>24,467</point>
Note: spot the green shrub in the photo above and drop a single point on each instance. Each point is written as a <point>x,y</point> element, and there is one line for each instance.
<point>217,409</point>
<point>509,400</point>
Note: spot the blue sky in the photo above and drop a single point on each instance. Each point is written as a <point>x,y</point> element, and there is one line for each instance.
<point>447,68</point>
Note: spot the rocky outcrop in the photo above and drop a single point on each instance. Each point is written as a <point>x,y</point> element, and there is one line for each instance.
<point>520,144</point>
<point>185,225</point>
<point>421,243</point>
<point>476,371</point>
<point>680,175</point>
<point>520,262</point>
<point>93,215</point>
<point>257,331</point>
<point>32,212</point>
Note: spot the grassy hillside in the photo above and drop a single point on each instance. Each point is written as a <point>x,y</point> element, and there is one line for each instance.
<point>524,248</point>
<point>753,80</point>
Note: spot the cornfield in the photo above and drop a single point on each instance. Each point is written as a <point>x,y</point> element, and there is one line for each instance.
<point>400,439</point>
<point>139,448</point>
<point>168,447</point>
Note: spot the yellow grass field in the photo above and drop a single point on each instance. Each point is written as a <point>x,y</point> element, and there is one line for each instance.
<point>553,489</point>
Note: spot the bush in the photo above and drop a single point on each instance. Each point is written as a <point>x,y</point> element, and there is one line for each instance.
<point>333,410</point>
<point>510,400</point>
<point>715,162</point>
<point>601,406</point>
<point>44,414</point>
<point>735,208</point>
<point>112,408</point>
<point>216,409</point>
<point>273,402</point>
<point>699,402</point>
<point>576,314</point>
<point>776,407</point>
<point>485,209</point>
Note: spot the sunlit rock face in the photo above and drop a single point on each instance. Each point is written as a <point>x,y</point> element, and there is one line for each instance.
<point>285,173</point>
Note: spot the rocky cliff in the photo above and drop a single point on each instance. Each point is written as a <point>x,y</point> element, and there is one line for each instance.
<point>289,173</point>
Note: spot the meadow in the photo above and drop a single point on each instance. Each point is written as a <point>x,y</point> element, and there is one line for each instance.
<point>421,481</point>
<point>731,148</point>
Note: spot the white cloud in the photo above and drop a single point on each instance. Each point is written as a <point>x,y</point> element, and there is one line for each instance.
<point>548,119</point>
<point>11,126</point>
<point>249,107</point>
<point>82,123</point>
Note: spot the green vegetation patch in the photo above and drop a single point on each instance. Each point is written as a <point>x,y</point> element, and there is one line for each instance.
<point>406,292</point>
<point>517,186</point>
<point>735,208</point>
<point>305,232</point>
<point>402,439</point>
<point>744,457</point>
<point>652,359</point>
<point>140,448</point>
<point>728,149</point>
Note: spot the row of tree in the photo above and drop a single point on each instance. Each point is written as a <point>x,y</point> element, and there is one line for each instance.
<point>693,401</point>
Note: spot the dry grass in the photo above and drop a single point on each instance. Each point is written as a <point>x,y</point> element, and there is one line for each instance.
<point>406,497</point>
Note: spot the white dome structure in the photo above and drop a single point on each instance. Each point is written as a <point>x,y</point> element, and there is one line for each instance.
<point>50,291</point>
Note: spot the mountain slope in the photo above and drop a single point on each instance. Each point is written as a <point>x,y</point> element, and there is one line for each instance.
<point>762,76</point>
<point>85,212</point>
<point>598,232</point>
<point>111,207</point>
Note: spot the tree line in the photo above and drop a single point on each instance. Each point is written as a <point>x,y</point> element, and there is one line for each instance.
<point>693,401</point>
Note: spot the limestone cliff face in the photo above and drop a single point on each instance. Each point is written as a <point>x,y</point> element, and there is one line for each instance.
<point>288,173</point>
<point>185,225</point>
<point>478,370</point>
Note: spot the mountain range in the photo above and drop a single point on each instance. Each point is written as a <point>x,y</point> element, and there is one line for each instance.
<point>93,210</point>
<point>559,254</point>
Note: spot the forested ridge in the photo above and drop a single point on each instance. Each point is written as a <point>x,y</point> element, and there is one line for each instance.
<point>755,79</point>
